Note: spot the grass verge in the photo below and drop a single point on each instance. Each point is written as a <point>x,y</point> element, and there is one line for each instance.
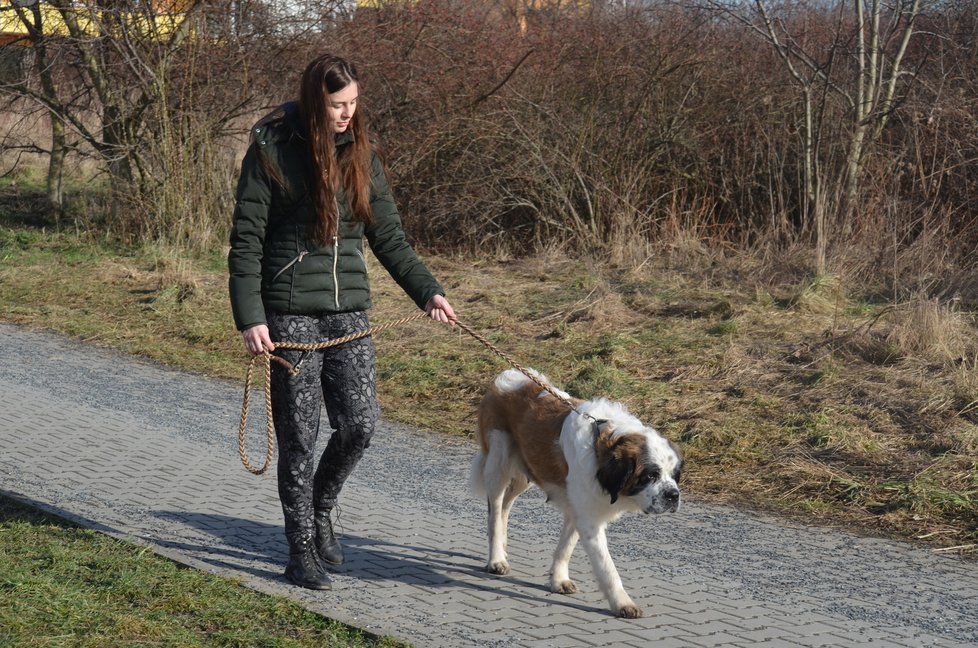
<point>62,585</point>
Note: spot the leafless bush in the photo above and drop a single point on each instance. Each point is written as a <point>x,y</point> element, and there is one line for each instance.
<point>575,131</point>
<point>611,131</point>
<point>150,95</point>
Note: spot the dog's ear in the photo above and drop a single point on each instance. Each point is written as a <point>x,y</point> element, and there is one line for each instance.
<point>613,473</point>
<point>675,448</point>
<point>678,470</point>
<point>615,463</point>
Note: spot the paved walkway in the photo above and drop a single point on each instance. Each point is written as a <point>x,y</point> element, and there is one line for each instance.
<point>150,454</point>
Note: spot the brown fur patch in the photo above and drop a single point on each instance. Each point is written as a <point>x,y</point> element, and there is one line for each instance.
<point>533,421</point>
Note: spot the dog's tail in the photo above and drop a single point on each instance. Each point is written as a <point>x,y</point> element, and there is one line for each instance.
<point>514,379</point>
<point>477,480</point>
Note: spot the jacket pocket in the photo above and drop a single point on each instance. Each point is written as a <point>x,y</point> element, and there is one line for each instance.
<point>298,259</point>
<point>363,260</point>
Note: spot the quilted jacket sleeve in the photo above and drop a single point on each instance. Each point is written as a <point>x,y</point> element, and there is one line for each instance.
<point>252,202</point>
<point>386,238</point>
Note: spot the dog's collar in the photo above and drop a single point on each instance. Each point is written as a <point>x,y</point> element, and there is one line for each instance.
<point>596,428</point>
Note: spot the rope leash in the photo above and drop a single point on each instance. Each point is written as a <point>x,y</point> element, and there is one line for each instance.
<point>267,358</point>
<point>526,372</point>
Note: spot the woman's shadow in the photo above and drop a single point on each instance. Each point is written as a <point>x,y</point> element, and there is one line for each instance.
<point>259,550</point>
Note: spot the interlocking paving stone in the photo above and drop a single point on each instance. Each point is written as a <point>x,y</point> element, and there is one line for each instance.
<point>150,454</point>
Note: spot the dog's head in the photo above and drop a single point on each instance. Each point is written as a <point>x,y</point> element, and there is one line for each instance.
<point>640,465</point>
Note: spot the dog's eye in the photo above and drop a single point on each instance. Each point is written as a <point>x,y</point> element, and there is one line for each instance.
<point>647,478</point>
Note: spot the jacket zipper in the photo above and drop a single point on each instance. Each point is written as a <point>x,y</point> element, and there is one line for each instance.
<point>336,280</point>
<point>291,263</point>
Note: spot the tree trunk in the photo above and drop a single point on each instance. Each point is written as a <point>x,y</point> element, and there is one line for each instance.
<point>56,160</point>
<point>854,166</point>
<point>117,153</point>
<point>56,169</point>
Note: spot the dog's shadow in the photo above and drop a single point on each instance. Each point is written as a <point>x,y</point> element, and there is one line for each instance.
<point>258,549</point>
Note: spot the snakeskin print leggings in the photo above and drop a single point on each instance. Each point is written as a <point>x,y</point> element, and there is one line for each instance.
<point>345,377</point>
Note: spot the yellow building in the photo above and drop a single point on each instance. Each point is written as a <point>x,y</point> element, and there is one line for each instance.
<point>93,20</point>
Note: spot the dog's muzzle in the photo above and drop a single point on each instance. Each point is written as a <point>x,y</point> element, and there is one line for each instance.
<point>667,502</point>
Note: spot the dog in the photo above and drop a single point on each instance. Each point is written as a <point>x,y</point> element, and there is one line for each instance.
<point>594,461</point>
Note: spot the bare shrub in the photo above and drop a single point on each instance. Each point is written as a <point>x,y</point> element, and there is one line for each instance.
<point>627,132</point>
<point>190,205</point>
<point>151,96</point>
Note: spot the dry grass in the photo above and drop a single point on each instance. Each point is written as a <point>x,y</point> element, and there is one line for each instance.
<point>812,404</point>
<point>931,330</point>
<point>798,398</point>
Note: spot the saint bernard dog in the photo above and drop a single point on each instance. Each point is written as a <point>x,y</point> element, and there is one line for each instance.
<point>594,462</point>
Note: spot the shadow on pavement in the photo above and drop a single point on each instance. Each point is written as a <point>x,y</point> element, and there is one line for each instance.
<point>240,543</point>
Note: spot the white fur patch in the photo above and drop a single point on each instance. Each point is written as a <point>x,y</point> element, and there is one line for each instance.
<point>510,380</point>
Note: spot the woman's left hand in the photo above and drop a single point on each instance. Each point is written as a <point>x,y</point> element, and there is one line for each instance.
<point>440,310</point>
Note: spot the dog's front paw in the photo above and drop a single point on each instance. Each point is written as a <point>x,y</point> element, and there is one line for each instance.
<point>500,568</point>
<point>563,587</point>
<point>628,612</point>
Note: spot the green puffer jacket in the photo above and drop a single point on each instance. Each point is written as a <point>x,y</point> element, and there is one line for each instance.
<point>274,265</point>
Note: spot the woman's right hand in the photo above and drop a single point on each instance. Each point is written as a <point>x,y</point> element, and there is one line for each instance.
<point>256,339</point>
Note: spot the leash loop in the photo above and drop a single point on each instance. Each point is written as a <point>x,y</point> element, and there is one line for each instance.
<point>266,359</point>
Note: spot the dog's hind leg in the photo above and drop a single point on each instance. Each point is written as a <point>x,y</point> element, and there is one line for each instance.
<point>477,472</point>
<point>560,581</point>
<point>517,486</point>
<point>498,480</point>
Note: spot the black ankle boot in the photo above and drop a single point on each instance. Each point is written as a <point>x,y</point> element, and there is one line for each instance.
<point>304,568</point>
<point>327,545</point>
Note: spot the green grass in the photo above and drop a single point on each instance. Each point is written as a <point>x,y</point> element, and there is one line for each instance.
<point>62,585</point>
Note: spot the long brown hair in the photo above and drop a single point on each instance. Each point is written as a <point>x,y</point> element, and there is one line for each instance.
<point>325,75</point>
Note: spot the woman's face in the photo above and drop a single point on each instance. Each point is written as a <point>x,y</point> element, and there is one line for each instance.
<point>342,105</point>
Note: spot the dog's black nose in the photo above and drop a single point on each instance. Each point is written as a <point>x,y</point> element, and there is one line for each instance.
<point>671,495</point>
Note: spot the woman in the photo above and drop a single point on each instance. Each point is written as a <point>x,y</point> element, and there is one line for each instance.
<point>311,188</point>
